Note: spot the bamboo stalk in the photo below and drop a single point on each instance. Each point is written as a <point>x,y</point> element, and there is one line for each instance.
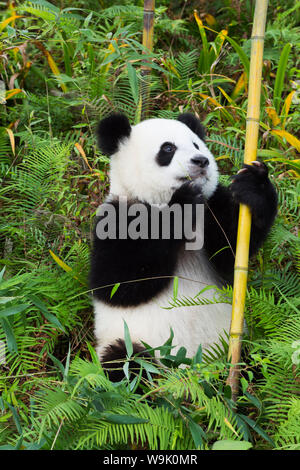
<point>149,8</point>
<point>244,225</point>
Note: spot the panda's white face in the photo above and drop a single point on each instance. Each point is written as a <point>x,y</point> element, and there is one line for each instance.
<point>157,158</point>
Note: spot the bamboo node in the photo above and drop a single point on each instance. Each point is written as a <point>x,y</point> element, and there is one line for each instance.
<point>252,119</point>
<point>240,268</point>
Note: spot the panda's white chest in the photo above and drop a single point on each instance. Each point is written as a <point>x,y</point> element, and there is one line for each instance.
<point>152,321</point>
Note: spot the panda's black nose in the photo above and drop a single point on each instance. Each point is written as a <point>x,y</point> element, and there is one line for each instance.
<point>200,161</point>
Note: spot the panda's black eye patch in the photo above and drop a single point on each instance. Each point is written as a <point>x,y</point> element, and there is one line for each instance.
<point>195,145</point>
<point>166,153</point>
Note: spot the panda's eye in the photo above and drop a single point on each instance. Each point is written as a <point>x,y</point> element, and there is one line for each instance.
<point>195,145</point>
<point>166,153</point>
<point>168,147</point>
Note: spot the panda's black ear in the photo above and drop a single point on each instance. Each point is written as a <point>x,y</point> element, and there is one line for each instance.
<point>110,131</point>
<point>193,123</point>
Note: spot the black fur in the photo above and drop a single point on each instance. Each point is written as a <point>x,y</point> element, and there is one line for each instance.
<point>253,188</point>
<point>152,261</point>
<point>110,131</point>
<point>113,360</point>
<point>193,123</point>
<point>119,261</point>
<point>165,154</point>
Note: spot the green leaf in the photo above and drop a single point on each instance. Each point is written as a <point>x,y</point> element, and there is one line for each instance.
<point>198,356</point>
<point>67,367</point>
<point>2,273</point>
<point>244,384</point>
<point>114,289</point>
<point>10,336</point>
<point>6,312</point>
<point>167,346</point>
<point>253,400</point>
<point>49,316</point>
<point>57,363</point>
<point>133,81</point>
<point>197,433</point>
<point>231,445</point>
<point>147,366</point>
<point>175,288</point>
<point>227,392</point>
<point>241,53</point>
<point>280,74</point>
<point>257,429</point>
<point>4,300</point>
<point>127,339</point>
<point>180,356</point>
<point>126,369</point>
<point>16,418</point>
<point>124,419</point>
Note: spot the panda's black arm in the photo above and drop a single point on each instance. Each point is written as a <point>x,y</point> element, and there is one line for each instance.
<point>143,267</point>
<point>253,188</point>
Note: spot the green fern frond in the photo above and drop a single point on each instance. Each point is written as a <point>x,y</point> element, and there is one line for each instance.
<point>231,146</point>
<point>287,436</point>
<point>186,384</point>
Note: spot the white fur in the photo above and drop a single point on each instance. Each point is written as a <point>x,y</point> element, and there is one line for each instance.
<point>134,173</point>
<point>151,323</point>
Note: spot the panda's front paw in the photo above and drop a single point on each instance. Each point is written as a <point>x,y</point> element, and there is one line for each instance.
<point>251,186</point>
<point>189,193</point>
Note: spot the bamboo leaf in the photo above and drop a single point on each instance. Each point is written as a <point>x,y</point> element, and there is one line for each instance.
<point>133,81</point>
<point>175,287</point>
<point>11,93</point>
<point>127,339</point>
<point>271,112</point>
<point>11,138</point>
<point>10,336</point>
<point>232,445</point>
<point>6,312</point>
<point>60,262</point>
<point>286,107</point>
<point>197,433</point>
<point>240,86</point>
<point>242,55</point>
<point>114,289</point>
<point>257,428</point>
<point>49,316</point>
<point>279,80</point>
<point>124,419</point>
<point>52,63</point>
<point>82,153</point>
<point>204,52</point>
<point>291,139</point>
<point>5,22</point>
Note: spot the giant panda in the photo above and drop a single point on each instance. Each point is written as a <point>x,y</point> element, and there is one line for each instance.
<point>159,163</point>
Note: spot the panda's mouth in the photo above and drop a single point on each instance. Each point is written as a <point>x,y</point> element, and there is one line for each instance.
<point>195,173</point>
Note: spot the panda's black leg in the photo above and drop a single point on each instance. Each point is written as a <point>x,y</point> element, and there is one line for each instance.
<point>114,357</point>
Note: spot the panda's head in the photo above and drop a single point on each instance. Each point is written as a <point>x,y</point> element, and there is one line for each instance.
<point>150,160</point>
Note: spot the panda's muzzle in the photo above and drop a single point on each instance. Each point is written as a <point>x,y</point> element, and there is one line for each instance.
<point>200,161</point>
